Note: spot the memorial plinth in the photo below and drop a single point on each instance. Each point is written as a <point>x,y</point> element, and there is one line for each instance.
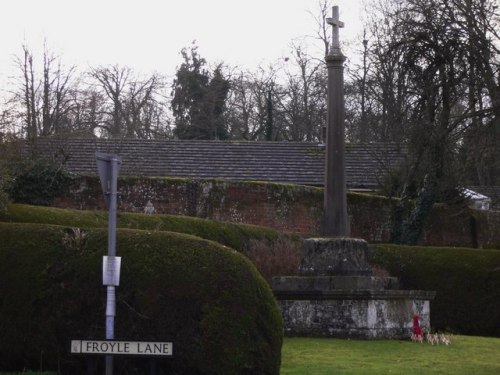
<point>334,256</point>
<point>336,295</point>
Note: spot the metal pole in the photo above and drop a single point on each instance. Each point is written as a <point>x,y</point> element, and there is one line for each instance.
<point>111,299</point>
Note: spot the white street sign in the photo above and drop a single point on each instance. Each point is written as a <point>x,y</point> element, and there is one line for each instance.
<point>111,270</point>
<point>143,348</point>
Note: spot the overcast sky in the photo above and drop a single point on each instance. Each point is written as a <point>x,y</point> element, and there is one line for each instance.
<point>147,35</point>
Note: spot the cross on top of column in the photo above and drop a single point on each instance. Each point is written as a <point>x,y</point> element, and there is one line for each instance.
<point>336,24</point>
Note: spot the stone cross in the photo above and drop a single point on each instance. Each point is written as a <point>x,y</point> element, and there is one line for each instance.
<point>335,220</point>
<point>336,24</point>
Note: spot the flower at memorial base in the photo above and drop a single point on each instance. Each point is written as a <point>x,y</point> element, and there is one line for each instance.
<point>417,331</point>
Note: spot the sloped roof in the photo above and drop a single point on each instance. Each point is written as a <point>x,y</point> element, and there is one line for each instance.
<point>492,192</point>
<point>286,162</point>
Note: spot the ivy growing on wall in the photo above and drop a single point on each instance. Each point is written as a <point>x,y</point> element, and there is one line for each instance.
<point>9,156</point>
<point>39,182</point>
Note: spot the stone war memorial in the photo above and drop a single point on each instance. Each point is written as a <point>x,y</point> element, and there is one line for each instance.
<point>336,293</point>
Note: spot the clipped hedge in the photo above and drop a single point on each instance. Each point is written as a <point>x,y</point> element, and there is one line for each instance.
<point>467,282</point>
<point>206,298</point>
<point>233,235</point>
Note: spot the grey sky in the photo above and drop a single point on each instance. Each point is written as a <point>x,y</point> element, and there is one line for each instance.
<point>147,35</point>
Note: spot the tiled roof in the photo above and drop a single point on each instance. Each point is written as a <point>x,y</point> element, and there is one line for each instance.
<point>286,162</point>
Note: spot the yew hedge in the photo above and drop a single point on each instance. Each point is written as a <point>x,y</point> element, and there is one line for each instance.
<point>206,298</point>
<point>466,281</point>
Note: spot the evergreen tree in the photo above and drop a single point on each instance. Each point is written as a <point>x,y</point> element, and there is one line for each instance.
<point>216,97</point>
<point>198,103</point>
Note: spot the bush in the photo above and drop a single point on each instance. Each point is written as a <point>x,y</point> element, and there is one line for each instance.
<point>9,157</point>
<point>39,182</point>
<point>467,282</point>
<point>4,198</point>
<point>207,299</point>
<point>233,235</point>
<point>277,258</point>
<point>5,180</point>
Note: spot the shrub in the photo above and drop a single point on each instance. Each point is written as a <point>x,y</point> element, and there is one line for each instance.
<point>233,235</point>
<point>277,258</point>
<point>206,298</point>
<point>4,198</point>
<point>466,281</point>
<point>10,154</point>
<point>39,182</point>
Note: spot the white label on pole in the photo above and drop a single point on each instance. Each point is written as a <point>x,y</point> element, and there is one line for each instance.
<point>121,347</point>
<point>111,270</point>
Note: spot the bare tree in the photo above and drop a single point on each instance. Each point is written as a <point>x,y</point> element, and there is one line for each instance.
<point>420,75</point>
<point>247,103</point>
<point>45,102</point>
<point>112,81</point>
<point>322,32</point>
<point>139,106</point>
<point>89,111</point>
<point>478,22</point>
<point>240,108</point>
<point>304,100</point>
<point>28,93</point>
<point>130,102</point>
<point>56,98</point>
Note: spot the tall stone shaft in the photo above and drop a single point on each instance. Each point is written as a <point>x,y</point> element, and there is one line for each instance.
<point>335,220</point>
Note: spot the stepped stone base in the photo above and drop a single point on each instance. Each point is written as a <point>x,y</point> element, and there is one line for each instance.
<point>366,314</point>
<point>334,256</point>
<point>337,297</point>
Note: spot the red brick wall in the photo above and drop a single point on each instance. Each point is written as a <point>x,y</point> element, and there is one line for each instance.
<point>283,207</point>
<point>450,226</point>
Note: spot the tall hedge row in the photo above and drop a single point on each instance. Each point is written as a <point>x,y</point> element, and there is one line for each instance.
<point>205,298</point>
<point>233,235</point>
<point>467,282</point>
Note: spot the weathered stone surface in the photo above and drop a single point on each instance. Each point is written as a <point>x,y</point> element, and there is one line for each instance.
<point>336,295</point>
<point>328,283</point>
<point>334,256</point>
<point>354,318</point>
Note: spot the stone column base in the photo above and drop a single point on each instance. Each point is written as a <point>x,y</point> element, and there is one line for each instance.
<point>361,315</point>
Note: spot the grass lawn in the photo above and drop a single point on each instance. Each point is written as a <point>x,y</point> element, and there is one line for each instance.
<point>311,356</point>
<point>466,355</point>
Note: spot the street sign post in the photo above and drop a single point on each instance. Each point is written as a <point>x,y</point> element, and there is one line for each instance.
<point>108,167</point>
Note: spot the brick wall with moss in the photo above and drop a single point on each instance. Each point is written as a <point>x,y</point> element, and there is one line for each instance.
<point>451,226</point>
<point>292,208</point>
<point>369,216</point>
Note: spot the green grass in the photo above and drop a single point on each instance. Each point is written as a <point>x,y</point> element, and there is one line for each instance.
<point>466,355</point>
<point>312,356</point>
